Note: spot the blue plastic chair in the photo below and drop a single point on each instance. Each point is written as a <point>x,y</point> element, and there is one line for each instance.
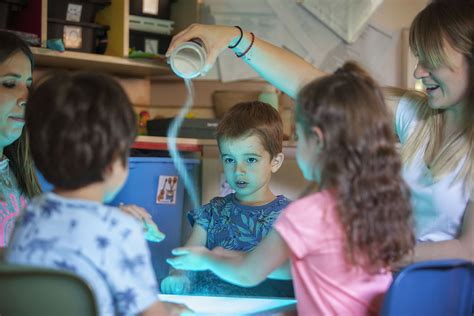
<point>441,287</point>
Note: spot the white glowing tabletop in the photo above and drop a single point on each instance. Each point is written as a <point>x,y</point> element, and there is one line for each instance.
<point>228,305</point>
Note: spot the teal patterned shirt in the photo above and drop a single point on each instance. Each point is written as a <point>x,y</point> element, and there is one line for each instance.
<point>235,226</point>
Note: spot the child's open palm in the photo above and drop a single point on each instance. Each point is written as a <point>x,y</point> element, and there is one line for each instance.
<point>175,284</point>
<point>190,258</point>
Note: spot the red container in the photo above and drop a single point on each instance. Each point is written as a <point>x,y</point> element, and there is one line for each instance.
<point>8,8</point>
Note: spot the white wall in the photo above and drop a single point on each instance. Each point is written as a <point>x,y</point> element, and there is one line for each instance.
<point>392,15</point>
<point>395,15</point>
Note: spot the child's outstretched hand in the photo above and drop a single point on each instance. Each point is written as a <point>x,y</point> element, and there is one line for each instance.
<point>190,258</point>
<point>176,284</point>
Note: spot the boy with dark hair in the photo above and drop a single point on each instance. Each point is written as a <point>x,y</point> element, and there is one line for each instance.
<point>250,139</point>
<point>81,126</point>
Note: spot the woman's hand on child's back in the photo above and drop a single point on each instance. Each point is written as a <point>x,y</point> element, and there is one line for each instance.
<point>190,258</point>
<point>152,233</point>
<point>136,211</point>
<point>176,284</point>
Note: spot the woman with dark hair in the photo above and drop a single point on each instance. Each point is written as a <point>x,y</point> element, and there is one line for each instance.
<point>18,182</point>
<point>435,128</point>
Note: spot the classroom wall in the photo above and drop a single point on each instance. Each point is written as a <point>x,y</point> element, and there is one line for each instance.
<point>167,95</point>
<point>393,15</point>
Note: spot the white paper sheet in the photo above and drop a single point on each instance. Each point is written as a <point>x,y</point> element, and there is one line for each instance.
<point>265,26</point>
<point>373,39</point>
<point>286,23</point>
<point>256,16</point>
<point>347,18</point>
<point>316,39</point>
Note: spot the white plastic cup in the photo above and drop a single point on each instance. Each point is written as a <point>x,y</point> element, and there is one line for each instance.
<point>188,59</point>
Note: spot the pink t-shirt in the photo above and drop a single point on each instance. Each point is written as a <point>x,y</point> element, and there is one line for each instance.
<point>325,283</point>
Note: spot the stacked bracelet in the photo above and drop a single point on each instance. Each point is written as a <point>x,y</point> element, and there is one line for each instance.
<point>248,48</point>
<point>238,41</point>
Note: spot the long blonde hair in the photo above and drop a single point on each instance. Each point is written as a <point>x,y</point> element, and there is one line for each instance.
<point>439,23</point>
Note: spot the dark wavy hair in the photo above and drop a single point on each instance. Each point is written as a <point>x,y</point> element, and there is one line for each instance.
<point>19,152</point>
<point>360,161</point>
<point>78,124</point>
<point>253,118</point>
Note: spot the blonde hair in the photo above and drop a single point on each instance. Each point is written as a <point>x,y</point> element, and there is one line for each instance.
<point>439,24</point>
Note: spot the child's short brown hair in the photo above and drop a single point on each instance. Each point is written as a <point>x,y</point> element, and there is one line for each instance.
<point>78,124</point>
<point>253,118</point>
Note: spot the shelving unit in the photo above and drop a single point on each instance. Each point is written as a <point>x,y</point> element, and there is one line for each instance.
<point>115,65</point>
<point>183,144</point>
<point>193,144</point>
<point>34,19</point>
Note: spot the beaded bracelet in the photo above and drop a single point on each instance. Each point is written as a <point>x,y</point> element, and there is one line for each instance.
<point>248,48</point>
<point>241,35</point>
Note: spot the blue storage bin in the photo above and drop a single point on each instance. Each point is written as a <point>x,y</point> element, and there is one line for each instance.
<point>45,185</point>
<point>142,188</point>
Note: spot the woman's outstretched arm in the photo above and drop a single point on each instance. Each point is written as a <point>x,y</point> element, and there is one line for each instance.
<point>285,70</point>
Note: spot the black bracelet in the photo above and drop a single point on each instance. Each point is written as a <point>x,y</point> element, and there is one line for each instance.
<point>241,35</point>
<point>248,48</point>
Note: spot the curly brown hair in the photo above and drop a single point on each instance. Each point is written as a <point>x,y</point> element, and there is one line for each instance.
<point>361,162</point>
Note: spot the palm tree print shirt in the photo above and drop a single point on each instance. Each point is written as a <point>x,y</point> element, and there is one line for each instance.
<point>102,244</point>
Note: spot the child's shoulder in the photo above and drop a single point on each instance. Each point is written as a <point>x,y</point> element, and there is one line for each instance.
<point>220,201</point>
<point>321,199</point>
<point>52,205</point>
<point>215,204</point>
<point>282,200</point>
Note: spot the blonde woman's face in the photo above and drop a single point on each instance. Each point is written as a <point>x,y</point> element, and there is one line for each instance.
<point>15,80</point>
<point>445,85</point>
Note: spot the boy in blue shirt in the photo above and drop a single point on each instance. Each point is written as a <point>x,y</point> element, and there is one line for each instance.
<point>250,139</point>
<point>81,126</point>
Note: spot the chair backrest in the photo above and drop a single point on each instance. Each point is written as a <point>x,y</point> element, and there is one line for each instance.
<point>26,290</point>
<point>441,287</point>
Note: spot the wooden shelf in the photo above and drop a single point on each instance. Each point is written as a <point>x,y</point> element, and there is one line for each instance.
<point>183,144</point>
<point>114,65</point>
<point>187,144</point>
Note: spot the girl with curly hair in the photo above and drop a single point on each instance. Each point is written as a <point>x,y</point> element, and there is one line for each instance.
<point>342,239</point>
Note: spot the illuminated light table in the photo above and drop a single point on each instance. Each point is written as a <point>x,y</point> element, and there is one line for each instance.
<point>233,305</point>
